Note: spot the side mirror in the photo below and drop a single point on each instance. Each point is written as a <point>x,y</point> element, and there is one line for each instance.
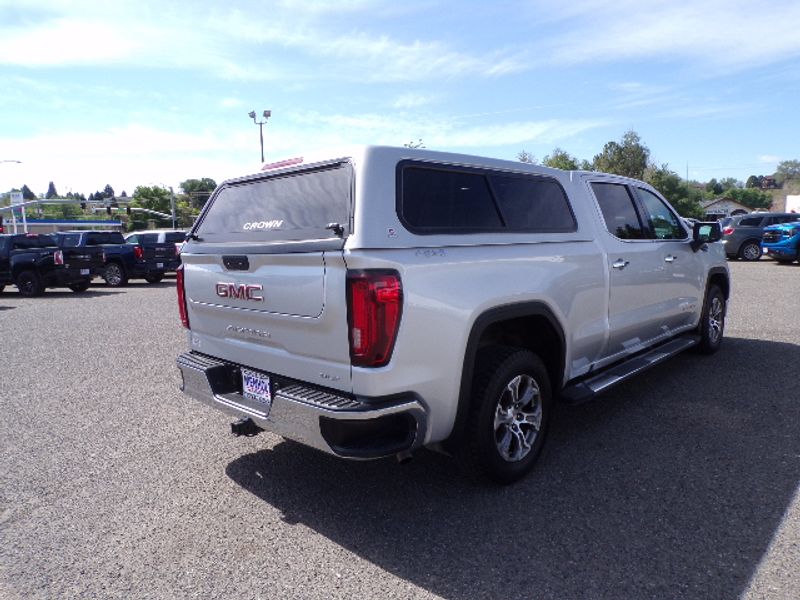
<point>705,233</point>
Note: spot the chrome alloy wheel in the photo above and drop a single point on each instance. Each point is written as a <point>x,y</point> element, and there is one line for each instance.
<point>716,319</point>
<point>518,418</point>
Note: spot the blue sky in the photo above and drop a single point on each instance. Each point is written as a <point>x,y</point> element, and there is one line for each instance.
<point>140,92</point>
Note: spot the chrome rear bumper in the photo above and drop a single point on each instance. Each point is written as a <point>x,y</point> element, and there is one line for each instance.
<point>343,425</point>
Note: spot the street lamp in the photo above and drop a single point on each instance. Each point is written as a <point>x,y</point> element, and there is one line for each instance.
<point>267,114</point>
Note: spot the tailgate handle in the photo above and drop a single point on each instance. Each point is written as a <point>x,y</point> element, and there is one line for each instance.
<point>236,263</point>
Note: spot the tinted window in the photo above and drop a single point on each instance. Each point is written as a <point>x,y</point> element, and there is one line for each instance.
<point>453,200</point>
<point>664,224</point>
<point>298,206</point>
<point>105,237</point>
<point>532,204</point>
<point>68,240</point>
<point>750,222</point>
<point>434,200</point>
<point>177,236</point>
<point>34,241</point>
<point>622,219</point>
<point>147,238</point>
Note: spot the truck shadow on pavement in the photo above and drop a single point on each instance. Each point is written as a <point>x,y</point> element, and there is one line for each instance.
<point>672,485</point>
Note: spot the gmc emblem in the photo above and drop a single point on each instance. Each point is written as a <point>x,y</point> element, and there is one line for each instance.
<point>240,291</point>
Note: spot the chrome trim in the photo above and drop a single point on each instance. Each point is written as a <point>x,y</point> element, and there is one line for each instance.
<point>288,416</point>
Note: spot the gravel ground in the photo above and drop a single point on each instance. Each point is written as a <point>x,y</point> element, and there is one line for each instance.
<point>682,483</point>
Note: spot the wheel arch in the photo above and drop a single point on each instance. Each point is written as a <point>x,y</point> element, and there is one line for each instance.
<point>719,276</point>
<point>529,325</point>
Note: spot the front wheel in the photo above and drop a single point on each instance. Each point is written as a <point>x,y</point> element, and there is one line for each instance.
<point>154,278</point>
<point>81,286</point>
<point>509,413</point>
<point>29,284</point>
<point>750,251</point>
<point>712,321</point>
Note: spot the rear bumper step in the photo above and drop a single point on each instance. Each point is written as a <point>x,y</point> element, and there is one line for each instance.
<point>337,423</point>
<point>588,388</point>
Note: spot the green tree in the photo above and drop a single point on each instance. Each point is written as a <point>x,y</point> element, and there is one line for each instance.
<point>27,194</point>
<point>683,198</point>
<point>787,169</point>
<point>418,144</point>
<point>51,191</point>
<point>560,159</point>
<point>752,198</point>
<point>752,182</point>
<point>714,186</point>
<point>628,157</point>
<point>152,197</point>
<point>526,157</point>
<point>730,183</point>
<point>198,191</point>
<point>108,191</point>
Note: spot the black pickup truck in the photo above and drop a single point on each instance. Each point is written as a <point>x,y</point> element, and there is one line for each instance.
<point>124,260</point>
<point>34,262</point>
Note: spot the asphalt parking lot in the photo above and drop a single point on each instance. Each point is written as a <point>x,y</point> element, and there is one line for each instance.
<point>683,483</point>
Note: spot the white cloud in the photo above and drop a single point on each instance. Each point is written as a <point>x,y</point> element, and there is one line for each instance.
<point>769,159</point>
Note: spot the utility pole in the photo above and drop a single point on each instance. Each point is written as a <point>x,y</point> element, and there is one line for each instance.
<point>267,114</point>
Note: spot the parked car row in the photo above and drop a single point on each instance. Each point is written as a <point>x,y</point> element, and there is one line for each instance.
<point>743,235</point>
<point>34,262</point>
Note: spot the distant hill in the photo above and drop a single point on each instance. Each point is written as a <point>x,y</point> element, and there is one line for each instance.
<point>790,188</point>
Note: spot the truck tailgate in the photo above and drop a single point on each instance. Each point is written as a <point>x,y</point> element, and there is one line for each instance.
<point>278,313</point>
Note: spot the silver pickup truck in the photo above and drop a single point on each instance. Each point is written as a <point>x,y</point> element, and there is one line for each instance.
<point>383,299</point>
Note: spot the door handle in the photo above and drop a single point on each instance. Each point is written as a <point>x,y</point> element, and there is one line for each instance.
<point>670,258</point>
<point>620,264</point>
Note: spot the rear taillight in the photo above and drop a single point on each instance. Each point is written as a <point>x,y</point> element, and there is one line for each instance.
<point>179,285</point>
<point>727,231</point>
<point>374,306</point>
<point>138,252</point>
<point>58,257</point>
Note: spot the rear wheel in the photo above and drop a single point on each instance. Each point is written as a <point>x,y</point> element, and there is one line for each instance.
<point>712,322</point>
<point>750,251</point>
<point>114,275</point>
<point>510,410</point>
<point>154,278</point>
<point>81,286</point>
<point>29,284</point>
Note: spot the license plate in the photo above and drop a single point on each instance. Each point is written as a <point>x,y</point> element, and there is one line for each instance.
<point>255,386</point>
<point>84,271</point>
<point>159,265</point>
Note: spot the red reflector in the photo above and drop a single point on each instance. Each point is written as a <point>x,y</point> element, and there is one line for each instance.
<point>727,231</point>
<point>58,257</point>
<point>138,252</point>
<point>374,304</point>
<point>282,163</point>
<point>179,286</point>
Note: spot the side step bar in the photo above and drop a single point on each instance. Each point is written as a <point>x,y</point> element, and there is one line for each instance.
<point>589,388</point>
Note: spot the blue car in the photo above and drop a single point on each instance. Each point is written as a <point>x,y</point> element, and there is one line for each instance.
<point>782,242</point>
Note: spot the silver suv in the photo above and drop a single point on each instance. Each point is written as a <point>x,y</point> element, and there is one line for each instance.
<point>383,299</point>
<point>742,234</point>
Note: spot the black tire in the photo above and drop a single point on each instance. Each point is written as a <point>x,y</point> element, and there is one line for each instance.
<point>712,321</point>
<point>750,250</point>
<point>114,275</point>
<point>29,284</point>
<point>2,287</point>
<point>154,278</point>
<point>81,286</point>
<point>509,412</point>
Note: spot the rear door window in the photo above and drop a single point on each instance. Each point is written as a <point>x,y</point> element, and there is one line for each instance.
<point>290,207</point>
<point>750,222</point>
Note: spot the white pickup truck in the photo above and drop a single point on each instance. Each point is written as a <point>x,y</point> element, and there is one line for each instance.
<point>383,299</point>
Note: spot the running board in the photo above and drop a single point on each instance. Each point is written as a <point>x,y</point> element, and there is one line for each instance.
<point>588,388</point>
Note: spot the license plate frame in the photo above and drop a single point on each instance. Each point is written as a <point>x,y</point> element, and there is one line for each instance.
<point>85,271</point>
<point>159,265</point>
<point>257,387</point>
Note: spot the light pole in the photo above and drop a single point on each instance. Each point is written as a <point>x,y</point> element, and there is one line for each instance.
<point>267,114</point>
